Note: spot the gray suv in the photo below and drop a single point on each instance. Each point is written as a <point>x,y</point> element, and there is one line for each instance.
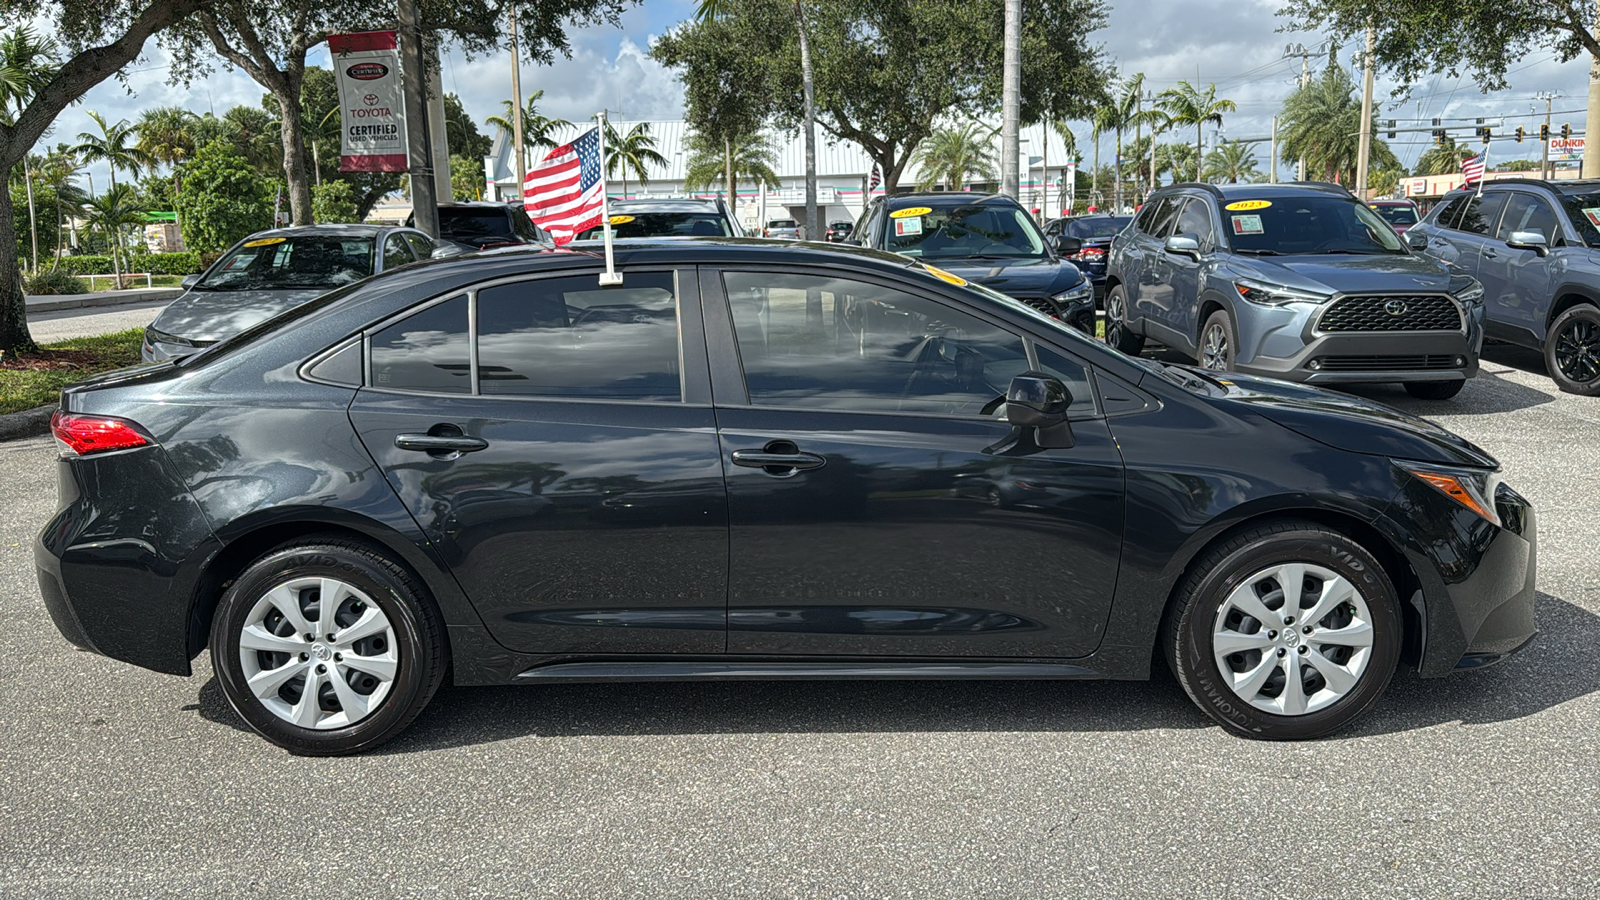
<point>1536,248</point>
<point>1294,281</point>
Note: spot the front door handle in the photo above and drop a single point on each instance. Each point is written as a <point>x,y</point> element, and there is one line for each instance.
<point>1490,254</point>
<point>432,442</point>
<point>778,458</point>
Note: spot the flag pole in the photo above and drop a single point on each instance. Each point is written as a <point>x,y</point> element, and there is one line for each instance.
<point>1484,175</point>
<point>610,275</point>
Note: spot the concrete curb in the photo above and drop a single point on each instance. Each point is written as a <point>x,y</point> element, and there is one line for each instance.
<point>26,424</point>
<point>41,303</point>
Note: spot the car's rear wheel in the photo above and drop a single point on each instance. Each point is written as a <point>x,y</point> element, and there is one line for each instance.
<point>1572,351</point>
<point>1118,334</point>
<point>1284,632</point>
<point>1217,343</point>
<point>1435,390</point>
<point>326,647</point>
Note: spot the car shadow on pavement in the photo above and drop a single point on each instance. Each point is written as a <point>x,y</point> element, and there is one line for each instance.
<point>1538,679</point>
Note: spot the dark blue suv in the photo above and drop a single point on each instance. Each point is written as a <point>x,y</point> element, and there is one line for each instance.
<point>1535,246</point>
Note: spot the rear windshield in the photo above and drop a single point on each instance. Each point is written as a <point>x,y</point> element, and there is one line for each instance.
<point>290,263</point>
<point>662,224</point>
<point>1397,215</point>
<point>1307,225</point>
<point>469,222</point>
<point>1099,227</point>
<point>782,223</point>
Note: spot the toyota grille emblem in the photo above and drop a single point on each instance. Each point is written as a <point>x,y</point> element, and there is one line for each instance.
<point>1395,307</point>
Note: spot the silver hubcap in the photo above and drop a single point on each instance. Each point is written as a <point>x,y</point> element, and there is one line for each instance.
<point>318,653</point>
<point>1214,349</point>
<point>1293,639</point>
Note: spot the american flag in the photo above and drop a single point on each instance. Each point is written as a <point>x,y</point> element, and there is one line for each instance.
<point>563,193</point>
<point>1472,169</point>
<point>875,179</point>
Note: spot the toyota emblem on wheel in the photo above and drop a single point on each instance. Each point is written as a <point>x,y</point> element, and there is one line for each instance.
<point>1395,307</point>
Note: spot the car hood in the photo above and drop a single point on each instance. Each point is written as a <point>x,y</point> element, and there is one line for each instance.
<point>1352,423</point>
<point>1033,277</point>
<point>215,315</point>
<point>1354,274</point>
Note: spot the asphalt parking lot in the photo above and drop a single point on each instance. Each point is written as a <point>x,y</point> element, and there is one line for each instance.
<point>117,780</point>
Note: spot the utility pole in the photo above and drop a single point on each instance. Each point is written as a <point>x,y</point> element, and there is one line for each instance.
<point>1273,178</point>
<point>1590,167</point>
<point>1011,100</point>
<point>516,108</point>
<point>438,134</point>
<point>424,202</point>
<point>1364,153</point>
<point>1544,140</point>
<point>1305,55</point>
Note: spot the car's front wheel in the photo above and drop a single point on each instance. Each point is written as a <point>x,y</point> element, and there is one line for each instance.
<point>1118,334</point>
<point>1435,390</point>
<point>326,647</point>
<point>1572,351</point>
<point>1285,631</point>
<point>1217,343</point>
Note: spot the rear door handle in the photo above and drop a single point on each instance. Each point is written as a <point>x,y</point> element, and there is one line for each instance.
<point>428,442</point>
<point>1490,254</point>
<point>780,464</point>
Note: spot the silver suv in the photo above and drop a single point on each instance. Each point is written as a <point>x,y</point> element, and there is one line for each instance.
<point>1294,281</point>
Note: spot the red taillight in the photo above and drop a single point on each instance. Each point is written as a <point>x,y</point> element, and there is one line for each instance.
<point>1088,252</point>
<point>83,435</point>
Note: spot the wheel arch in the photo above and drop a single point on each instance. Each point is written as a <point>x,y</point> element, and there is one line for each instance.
<point>1566,297</point>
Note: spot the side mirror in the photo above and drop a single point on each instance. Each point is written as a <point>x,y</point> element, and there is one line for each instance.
<point>1066,246</point>
<point>1416,241</point>
<point>1036,407</point>
<point>189,281</point>
<point>1183,245</point>
<point>1529,240</point>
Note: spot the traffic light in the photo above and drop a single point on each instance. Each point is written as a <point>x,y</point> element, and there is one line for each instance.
<point>1438,136</point>
<point>1391,129</point>
<point>1486,134</point>
<point>1544,132</point>
<point>1519,134</point>
<point>1566,132</point>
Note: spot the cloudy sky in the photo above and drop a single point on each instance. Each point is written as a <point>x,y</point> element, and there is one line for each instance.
<point>1234,43</point>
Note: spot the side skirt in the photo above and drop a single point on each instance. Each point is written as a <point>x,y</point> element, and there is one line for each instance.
<point>801,671</point>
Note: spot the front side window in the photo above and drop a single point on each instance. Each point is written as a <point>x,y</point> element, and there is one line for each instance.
<point>1482,213</point>
<point>818,342</point>
<point>1163,217</point>
<point>1527,212</point>
<point>963,232</point>
<point>395,252</point>
<point>571,338</point>
<point>291,263</point>
<point>1196,220</point>
<point>425,351</point>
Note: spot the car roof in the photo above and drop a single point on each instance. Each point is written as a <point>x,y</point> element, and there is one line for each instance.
<point>330,230</point>
<point>948,198</point>
<point>675,204</point>
<point>1225,192</point>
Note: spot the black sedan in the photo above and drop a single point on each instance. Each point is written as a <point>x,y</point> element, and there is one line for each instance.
<point>752,460</point>
<point>1093,234</point>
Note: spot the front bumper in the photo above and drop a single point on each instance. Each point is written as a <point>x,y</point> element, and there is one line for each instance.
<point>1357,357</point>
<point>1477,579</point>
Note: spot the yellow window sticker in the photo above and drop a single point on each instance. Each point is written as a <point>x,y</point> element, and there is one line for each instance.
<point>1244,205</point>
<point>621,220</point>
<point>910,211</point>
<point>941,274</point>
<point>265,242</point>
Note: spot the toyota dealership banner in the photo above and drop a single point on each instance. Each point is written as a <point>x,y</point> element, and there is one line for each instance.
<point>371,106</point>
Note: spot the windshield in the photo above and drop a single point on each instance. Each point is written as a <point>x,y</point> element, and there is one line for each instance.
<point>1305,225</point>
<point>1584,211</point>
<point>1098,227</point>
<point>964,232</point>
<point>661,224</point>
<point>1397,215</point>
<point>290,263</point>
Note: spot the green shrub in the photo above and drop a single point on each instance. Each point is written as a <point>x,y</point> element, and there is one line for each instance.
<point>87,264</point>
<point>186,263</point>
<point>57,282</point>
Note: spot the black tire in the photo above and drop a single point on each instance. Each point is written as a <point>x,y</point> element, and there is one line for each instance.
<point>1118,334</point>
<point>1572,351</point>
<point>1435,390</point>
<point>1188,631</point>
<point>412,619</point>
<point>1218,325</point>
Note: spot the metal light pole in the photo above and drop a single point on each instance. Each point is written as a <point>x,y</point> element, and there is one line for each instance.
<point>1011,99</point>
<point>1544,143</point>
<point>516,108</point>
<point>1365,147</point>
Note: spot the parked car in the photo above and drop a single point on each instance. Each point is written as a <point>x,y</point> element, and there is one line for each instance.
<point>782,228</point>
<point>1400,214</point>
<point>1534,246</point>
<point>990,240</point>
<point>272,271</point>
<point>470,226</point>
<point>839,231</point>
<point>666,218</point>
<point>1295,281</point>
<point>1094,234</point>
<point>754,460</point>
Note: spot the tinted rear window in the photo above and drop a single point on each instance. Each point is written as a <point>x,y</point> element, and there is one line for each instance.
<point>662,224</point>
<point>456,223</point>
<point>1110,226</point>
<point>1397,215</point>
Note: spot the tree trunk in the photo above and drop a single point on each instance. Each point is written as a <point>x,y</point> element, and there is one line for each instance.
<point>14,336</point>
<point>1199,139</point>
<point>733,177</point>
<point>1094,177</point>
<point>813,225</point>
<point>1116,207</point>
<point>33,221</point>
<point>294,153</point>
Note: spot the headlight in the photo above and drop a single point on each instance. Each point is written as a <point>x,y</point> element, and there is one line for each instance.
<point>1084,291</point>
<point>1472,293</point>
<point>1472,488</point>
<point>1274,294</point>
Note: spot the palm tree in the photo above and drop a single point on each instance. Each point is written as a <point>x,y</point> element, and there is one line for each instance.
<point>752,158</point>
<point>27,63</point>
<point>538,132</point>
<point>60,175</point>
<point>1321,124</point>
<point>949,155</point>
<point>1444,159</point>
<point>1232,162</point>
<point>1186,104</point>
<point>251,129</point>
<point>166,133</point>
<point>1121,111</point>
<point>112,211</point>
<point>1175,158</point>
<point>633,152</point>
<point>114,146</point>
